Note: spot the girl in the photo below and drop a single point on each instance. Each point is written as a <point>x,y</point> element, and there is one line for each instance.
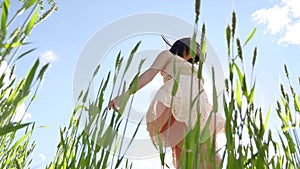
<point>169,116</point>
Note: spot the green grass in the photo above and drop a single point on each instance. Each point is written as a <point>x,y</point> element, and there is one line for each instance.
<point>15,136</point>
<point>86,145</point>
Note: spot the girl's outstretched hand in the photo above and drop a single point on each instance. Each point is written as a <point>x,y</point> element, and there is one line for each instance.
<point>114,104</point>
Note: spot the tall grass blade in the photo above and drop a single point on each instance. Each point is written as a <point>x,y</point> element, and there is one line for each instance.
<point>249,37</point>
<point>31,22</point>
<point>12,128</point>
<point>5,9</point>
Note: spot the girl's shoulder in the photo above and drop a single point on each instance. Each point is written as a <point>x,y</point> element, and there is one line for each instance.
<point>166,54</point>
<point>169,57</point>
<point>162,59</point>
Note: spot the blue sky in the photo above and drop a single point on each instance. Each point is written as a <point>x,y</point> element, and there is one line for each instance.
<point>61,38</point>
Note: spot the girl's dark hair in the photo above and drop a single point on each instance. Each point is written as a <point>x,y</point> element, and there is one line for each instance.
<point>182,45</point>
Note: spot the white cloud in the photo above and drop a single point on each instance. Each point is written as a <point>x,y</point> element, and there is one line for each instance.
<point>42,156</point>
<point>294,7</point>
<point>276,18</point>
<point>48,57</point>
<point>282,19</point>
<point>292,35</point>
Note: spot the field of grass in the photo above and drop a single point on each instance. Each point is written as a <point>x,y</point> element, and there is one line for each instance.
<point>94,146</point>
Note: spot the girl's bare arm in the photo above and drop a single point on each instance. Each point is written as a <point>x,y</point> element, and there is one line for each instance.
<point>160,62</point>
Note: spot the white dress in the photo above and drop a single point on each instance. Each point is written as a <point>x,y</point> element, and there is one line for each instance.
<point>179,103</point>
